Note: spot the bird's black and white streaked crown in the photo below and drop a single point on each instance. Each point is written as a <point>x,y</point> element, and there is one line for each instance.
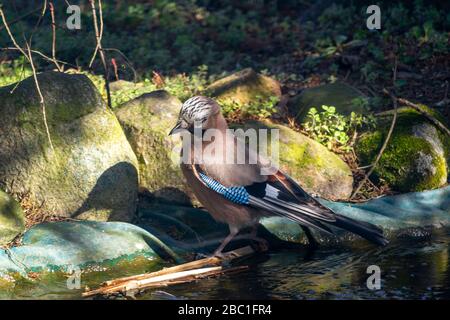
<point>195,112</point>
<point>197,109</point>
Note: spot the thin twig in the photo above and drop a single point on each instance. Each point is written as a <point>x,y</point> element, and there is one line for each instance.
<point>386,141</point>
<point>21,17</point>
<point>98,38</point>
<point>116,73</point>
<point>446,90</point>
<point>41,97</point>
<point>42,55</point>
<point>126,60</point>
<point>209,261</point>
<point>99,34</point>
<point>44,10</point>
<point>10,34</point>
<point>365,167</point>
<point>173,275</point>
<point>22,73</point>
<point>30,60</point>
<point>52,14</point>
<point>425,114</point>
<point>383,147</point>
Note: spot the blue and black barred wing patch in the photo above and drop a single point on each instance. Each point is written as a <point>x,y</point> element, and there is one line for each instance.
<point>240,195</point>
<point>235,194</point>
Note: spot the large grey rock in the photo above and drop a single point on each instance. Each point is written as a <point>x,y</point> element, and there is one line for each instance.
<point>121,85</point>
<point>147,121</point>
<point>244,87</point>
<point>12,221</point>
<point>92,171</point>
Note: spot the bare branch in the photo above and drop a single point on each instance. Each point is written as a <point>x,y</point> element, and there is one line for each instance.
<point>21,17</point>
<point>42,55</point>
<point>426,114</point>
<point>182,273</point>
<point>386,141</point>
<point>126,60</point>
<point>44,10</point>
<point>41,97</point>
<point>98,37</point>
<point>10,34</point>
<point>29,57</point>
<point>52,14</point>
<point>98,34</point>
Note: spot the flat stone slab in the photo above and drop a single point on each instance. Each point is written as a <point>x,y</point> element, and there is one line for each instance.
<point>68,244</point>
<point>171,232</point>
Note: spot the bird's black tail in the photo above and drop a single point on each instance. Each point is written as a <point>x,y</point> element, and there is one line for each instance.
<point>361,228</point>
<point>307,207</point>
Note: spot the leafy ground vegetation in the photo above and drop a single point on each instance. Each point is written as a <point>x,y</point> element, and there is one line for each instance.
<point>183,46</point>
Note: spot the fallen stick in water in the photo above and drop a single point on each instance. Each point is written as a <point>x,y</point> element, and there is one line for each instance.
<point>182,273</point>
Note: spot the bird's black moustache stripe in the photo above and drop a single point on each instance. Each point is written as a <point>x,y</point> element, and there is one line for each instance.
<point>191,130</point>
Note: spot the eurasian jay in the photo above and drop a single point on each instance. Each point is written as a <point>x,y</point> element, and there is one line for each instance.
<point>239,194</point>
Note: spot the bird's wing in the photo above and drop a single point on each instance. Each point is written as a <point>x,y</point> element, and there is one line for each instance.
<point>290,191</point>
<point>271,196</point>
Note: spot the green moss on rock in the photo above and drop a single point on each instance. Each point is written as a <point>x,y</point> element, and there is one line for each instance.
<point>147,120</point>
<point>244,87</point>
<point>12,220</point>
<point>416,157</point>
<point>91,172</point>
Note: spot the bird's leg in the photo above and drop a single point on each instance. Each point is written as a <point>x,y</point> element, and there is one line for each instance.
<point>263,244</point>
<point>233,232</point>
<point>313,243</point>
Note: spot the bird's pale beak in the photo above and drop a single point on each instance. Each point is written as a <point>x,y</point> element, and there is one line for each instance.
<point>176,129</point>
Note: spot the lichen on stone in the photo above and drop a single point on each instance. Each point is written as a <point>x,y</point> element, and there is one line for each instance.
<point>12,220</point>
<point>147,121</point>
<point>91,172</point>
<point>415,158</point>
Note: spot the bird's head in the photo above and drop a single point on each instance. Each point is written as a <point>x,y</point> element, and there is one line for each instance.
<point>196,112</point>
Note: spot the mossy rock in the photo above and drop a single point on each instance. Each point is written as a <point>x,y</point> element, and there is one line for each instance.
<point>147,121</point>
<point>317,170</point>
<point>416,157</point>
<point>244,87</point>
<point>12,220</point>
<point>340,95</point>
<point>120,85</point>
<point>91,171</point>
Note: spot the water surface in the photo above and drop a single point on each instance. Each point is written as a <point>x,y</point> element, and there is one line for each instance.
<point>410,269</point>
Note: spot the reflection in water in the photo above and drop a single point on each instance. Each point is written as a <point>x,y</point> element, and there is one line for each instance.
<point>410,269</point>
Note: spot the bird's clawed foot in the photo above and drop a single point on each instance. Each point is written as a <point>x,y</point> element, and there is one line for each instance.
<point>199,256</point>
<point>312,242</point>
<point>260,244</point>
<point>218,254</point>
